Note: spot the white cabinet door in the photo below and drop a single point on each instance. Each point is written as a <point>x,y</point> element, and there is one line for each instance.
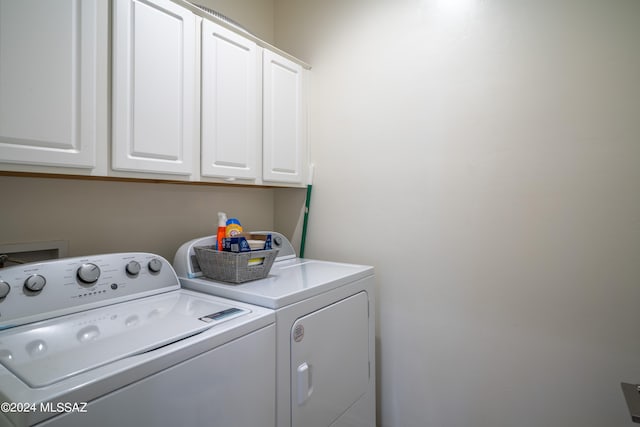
<point>49,84</point>
<point>283,131</point>
<point>230,104</point>
<point>154,90</point>
<point>329,361</point>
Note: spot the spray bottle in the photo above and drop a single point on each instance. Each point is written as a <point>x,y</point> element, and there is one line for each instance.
<point>222,229</point>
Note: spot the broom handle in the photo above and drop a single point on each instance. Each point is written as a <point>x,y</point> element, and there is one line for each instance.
<point>307,203</point>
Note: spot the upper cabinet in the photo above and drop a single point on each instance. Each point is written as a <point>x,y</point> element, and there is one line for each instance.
<point>154,92</point>
<point>193,98</point>
<point>284,141</point>
<point>230,119</point>
<point>53,83</point>
<point>252,119</point>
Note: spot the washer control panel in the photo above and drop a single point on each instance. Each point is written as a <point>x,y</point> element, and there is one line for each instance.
<point>38,291</point>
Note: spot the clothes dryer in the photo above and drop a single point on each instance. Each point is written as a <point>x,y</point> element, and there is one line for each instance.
<point>325,333</point>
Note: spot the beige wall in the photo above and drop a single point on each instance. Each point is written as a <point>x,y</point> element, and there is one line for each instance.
<point>485,157</point>
<point>100,217</point>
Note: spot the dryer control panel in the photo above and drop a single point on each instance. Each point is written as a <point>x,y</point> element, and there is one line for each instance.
<point>42,290</point>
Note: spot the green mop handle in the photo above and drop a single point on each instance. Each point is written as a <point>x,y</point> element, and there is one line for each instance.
<point>307,203</point>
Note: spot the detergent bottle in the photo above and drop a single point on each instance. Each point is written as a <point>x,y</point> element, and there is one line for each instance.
<point>233,227</point>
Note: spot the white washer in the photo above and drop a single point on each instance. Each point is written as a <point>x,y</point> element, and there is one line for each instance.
<point>111,340</point>
<point>325,333</point>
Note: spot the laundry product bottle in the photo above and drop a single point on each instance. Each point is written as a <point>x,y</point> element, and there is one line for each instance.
<point>233,227</point>
<point>222,229</point>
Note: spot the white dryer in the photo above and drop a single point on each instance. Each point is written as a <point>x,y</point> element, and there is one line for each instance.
<point>325,333</point>
<point>112,340</point>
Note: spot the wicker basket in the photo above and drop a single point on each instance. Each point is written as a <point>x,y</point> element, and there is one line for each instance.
<point>234,267</point>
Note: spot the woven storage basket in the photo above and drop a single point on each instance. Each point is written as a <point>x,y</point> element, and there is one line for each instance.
<point>234,267</point>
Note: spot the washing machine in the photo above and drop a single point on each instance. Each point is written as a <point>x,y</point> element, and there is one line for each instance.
<point>113,340</point>
<point>325,332</point>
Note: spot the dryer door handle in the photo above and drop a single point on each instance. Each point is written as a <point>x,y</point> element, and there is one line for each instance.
<point>305,385</point>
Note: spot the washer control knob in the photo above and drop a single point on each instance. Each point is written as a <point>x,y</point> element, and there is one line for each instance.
<point>133,268</point>
<point>88,273</point>
<point>35,283</point>
<point>4,289</point>
<point>155,265</point>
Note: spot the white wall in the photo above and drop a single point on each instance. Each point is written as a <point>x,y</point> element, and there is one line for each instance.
<point>485,157</point>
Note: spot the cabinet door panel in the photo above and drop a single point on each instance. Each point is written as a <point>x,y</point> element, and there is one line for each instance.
<point>154,87</point>
<point>230,121</point>
<point>48,82</point>
<point>282,128</point>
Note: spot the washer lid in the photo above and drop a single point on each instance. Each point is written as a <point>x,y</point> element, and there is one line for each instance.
<point>289,282</point>
<point>47,352</point>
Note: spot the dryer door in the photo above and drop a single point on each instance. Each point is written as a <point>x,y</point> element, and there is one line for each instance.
<point>329,361</point>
